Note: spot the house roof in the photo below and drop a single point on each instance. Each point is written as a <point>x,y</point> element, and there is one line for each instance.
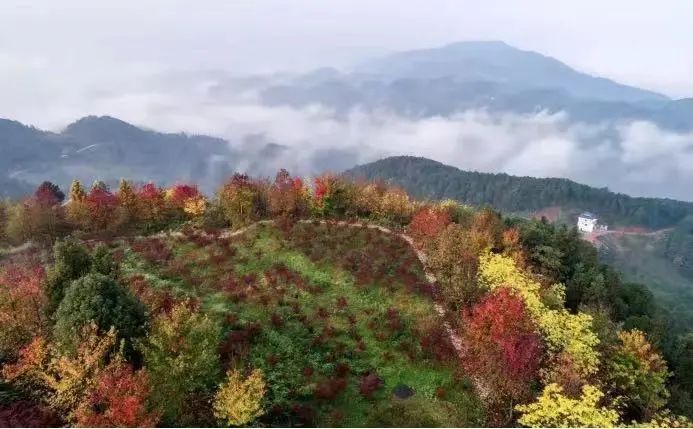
<point>588,215</point>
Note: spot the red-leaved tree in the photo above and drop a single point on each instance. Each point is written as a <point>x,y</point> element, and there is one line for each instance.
<point>118,399</point>
<point>180,193</point>
<point>502,349</point>
<point>22,307</point>
<point>102,205</point>
<point>427,224</point>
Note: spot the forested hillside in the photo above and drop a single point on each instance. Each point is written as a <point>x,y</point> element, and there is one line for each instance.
<point>429,179</point>
<point>330,303</point>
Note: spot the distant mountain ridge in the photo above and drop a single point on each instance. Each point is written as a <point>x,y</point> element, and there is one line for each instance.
<point>425,178</point>
<point>492,76</point>
<point>105,148</point>
<point>496,61</point>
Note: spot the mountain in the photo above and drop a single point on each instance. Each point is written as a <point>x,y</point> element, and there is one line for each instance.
<point>106,148</point>
<point>425,178</point>
<point>494,61</point>
<point>491,76</point>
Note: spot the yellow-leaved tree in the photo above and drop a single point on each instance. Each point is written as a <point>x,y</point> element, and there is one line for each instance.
<point>553,409</point>
<point>239,400</point>
<point>563,332</point>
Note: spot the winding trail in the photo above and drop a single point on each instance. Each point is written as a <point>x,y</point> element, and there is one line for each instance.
<point>455,339</point>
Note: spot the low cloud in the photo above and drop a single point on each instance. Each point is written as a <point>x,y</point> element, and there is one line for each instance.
<point>638,158</point>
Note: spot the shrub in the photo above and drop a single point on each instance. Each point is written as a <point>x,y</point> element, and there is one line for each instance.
<point>416,412</point>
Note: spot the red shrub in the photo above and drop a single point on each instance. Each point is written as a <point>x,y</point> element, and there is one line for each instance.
<point>27,414</point>
<point>330,388</point>
<point>369,383</point>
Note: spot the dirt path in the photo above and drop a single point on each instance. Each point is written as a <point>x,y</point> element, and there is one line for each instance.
<point>455,339</point>
<point>593,236</point>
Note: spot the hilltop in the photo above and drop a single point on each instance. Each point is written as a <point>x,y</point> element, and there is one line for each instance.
<point>330,303</point>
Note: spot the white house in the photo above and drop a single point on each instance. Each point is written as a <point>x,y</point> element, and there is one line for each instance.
<point>587,222</point>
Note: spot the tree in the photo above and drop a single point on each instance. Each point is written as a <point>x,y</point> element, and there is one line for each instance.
<point>118,399</point>
<point>4,214</point>
<point>62,380</point>
<point>77,209</point>
<point>103,263</point>
<point>395,206</point>
<point>102,205</point>
<point>49,194</point>
<point>151,205</point>
<point>77,192</point>
<point>72,261</point>
<point>196,206</point>
<point>502,348</point>
<point>427,224</point>
<point>553,409</point>
<point>455,261</point>
<point>237,198</point>
<point>286,199</point>
<point>239,400</point>
<point>35,219</point>
<point>22,308</point>
<point>637,375</point>
<point>128,201</point>
<point>562,331</point>
<point>179,194</point>
<point>97,299</point>
<point>181,355</point>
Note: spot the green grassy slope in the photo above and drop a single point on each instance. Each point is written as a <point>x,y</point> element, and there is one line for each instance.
<point>643,259</point>
<point>316,308</point>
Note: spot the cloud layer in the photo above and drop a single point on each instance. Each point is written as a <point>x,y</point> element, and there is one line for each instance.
<point>637,158</point>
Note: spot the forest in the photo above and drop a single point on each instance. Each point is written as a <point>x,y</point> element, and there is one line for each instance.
<point>324,302</point>
<point>425,178</point>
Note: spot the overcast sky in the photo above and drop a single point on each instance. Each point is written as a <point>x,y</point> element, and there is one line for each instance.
<point>51,48</point>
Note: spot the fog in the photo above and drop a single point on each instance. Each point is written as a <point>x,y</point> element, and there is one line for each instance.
<point>635,157</point>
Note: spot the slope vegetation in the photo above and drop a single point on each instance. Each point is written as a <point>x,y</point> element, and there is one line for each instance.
<point>426,178</point>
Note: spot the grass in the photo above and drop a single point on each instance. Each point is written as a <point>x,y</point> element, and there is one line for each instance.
<point>641,259</point>
<point>335,316</point>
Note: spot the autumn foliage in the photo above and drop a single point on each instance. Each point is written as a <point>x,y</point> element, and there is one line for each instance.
<point>427,224</point>
<point>502,347</point>
<point>117,399</point>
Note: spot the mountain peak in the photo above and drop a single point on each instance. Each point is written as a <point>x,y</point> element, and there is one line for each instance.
<point>496,61</point>
<point>101,127</point>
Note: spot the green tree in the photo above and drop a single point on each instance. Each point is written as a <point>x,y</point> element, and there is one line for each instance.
<point>181,355</point>
<point>99,299</point>
<point>72,261</point>
<point>638,375</point>
<point>103,263</point>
